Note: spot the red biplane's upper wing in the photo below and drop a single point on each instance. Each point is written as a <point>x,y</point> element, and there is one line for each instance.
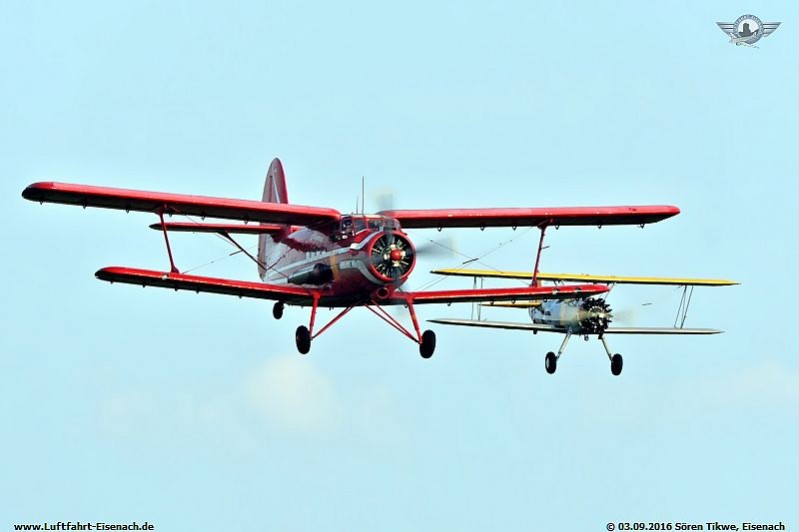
<point>143,201</point>
<point>526,293</point>
<point>528,217</point>
<point>293,295</point>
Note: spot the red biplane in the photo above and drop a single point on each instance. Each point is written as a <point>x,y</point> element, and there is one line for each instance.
<point>313,256</point>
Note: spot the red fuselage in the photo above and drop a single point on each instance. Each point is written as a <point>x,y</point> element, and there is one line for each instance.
<point>359,259</point>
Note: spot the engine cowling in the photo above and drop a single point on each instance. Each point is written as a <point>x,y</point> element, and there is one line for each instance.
<point>392,257</point>
<point>595,315</point>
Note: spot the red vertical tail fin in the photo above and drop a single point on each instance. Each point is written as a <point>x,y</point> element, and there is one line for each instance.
<point>275,184</point>
<point>274,192</point>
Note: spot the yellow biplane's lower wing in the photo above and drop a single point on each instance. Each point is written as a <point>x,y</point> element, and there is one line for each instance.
<point>540,327</point>
<point>586,278</point>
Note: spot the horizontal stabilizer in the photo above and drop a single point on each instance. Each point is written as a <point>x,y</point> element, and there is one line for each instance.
<point>586,278</point>
<point>540,327</point>
<point>230,229</point>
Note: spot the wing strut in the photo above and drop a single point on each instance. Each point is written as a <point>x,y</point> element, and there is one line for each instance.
<point>233,241</point>
<point>166,239</point>
<point>476,307</point>
<point>685,302</point>
<point>543,227</point>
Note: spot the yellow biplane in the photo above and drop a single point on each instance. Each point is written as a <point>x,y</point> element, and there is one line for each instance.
<point>581,317</point>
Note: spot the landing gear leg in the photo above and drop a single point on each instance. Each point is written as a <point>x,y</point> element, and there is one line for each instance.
<point>616,362</point>
<point>427,339</point>
<point>551,360</point>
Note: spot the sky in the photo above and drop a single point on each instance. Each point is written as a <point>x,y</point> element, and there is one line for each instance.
<point>195,412</point>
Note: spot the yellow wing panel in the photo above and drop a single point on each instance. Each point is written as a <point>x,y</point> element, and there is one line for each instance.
<point>587,278</point>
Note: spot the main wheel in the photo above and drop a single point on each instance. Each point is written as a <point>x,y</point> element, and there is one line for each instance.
<point>277,310</point>
<point>428,345</point>
<point>616,363</point>
<point>303,338</point>
<point>551,362</point>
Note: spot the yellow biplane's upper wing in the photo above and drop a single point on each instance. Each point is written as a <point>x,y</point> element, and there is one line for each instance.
<point>586,278</point>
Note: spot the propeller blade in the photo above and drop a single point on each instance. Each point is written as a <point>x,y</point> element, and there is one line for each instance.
<point>446,248</point>
<point>385,199</point>
<point>627,316</point>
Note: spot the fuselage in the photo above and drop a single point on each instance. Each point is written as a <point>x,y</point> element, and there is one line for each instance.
<point>359,258</point>
<point>576,316</point>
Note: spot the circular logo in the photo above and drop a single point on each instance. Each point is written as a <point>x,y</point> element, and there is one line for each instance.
<point>749,29</point>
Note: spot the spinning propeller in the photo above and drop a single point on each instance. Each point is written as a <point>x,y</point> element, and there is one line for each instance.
<point>446,247</point>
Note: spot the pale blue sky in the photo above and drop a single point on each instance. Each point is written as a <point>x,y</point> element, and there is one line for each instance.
<point>196,412</point>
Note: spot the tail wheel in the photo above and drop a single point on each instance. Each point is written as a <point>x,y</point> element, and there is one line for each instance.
<point>551,362</point>
<point>428,344</point>
<point>616,363</point>
<point>303,338</point>
<point>277,310</point>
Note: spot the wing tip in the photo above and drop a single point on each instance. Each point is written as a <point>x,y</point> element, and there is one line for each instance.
<point>104,274</point>
<point>113,273</point>
<point>35,191</point>
<point>108,273</point>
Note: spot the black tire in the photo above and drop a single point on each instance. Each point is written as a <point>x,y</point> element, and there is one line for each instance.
<point>550,362</point>
<point>616,363</point>
<point>277,310</point>
<point>428,345</point>
<point>303,338</point>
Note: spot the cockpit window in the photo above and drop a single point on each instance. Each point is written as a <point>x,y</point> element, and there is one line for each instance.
<point>382,223</point>
<point>349,225</point>
<point>346,228</point>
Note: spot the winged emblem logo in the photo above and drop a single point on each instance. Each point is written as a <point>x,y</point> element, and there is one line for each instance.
<point>747,30</point>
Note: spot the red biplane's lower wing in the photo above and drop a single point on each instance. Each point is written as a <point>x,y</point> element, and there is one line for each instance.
<point>295,295</point>
<point>292,295</point>
<point>143,201</point>
<point>528,217</point>
<point>526,293</point>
